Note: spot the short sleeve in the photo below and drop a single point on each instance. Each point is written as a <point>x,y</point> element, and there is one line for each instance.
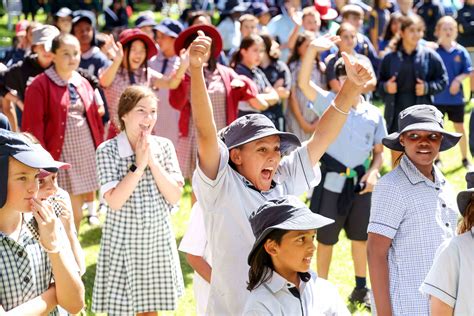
<point>322,101</point>
<point>107,163</point>
<point>194,240</point>
<point>387,209</point>
<point>208,190</point>
<point>467,63</point>
<point>443,278</point>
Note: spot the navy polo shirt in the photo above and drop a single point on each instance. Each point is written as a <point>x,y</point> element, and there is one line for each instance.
<point>457,61</point>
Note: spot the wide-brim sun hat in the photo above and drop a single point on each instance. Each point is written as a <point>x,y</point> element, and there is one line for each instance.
<point>425,118</point>
<point>184,38</point>
<point>464,197</point>
<point>325,10</point>
<point>17,146</point>
<point>252,127</point>
<point>285,213</point>
<point>129,35</point>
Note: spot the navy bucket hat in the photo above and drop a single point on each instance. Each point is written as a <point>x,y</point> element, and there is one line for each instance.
<point>17,146</point>
<point>285,213</point>
<point>464,197</point>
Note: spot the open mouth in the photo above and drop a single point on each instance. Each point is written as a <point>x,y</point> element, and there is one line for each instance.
<point>423,152</point>
<point>307,260</point>
<point>267,173</point>
<point>145,127</point>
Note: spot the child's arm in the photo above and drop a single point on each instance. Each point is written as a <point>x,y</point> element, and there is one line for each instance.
<point>334,118</point>
<point>200,266</point>
<point>173,81</point>
<point>308,87</point>
<point>107,76</point>
<point>371,176</point>
<point>377,254</point>
<point>206,131</point>
<point>70,289</point>
<point>40,305</point>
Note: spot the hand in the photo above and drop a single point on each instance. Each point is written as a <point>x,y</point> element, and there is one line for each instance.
<point>142,149</point>
<point>357,73</point>
<point>20,105</point>
<point>325,42</point>
<point>455,87</point>
<point>391,85</point>
<point>419,87</point>
<point>66,216</point>
<point>370,179</point>
<point>115,52</point>
<point>199,50</point>
<point>48,224</point>
<point>184,59</point>
<point>295,16</point>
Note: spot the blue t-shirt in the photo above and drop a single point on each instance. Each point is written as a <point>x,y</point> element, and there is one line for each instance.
<point>93,60</point>
<point>456,61</point>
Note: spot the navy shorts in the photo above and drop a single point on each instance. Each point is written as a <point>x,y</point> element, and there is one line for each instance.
<point>455,112</point>
<point>355,222</point>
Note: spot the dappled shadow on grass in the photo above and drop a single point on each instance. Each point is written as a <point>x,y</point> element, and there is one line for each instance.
<point>452,171</point>
<point>88,279</point>
<point>185,267</point>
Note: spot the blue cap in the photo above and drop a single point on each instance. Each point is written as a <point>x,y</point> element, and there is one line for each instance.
<point>286,213</point>
<point>17,146</point>
<point>143,21</point>
<point>81,15</point>
<point>259,8</point>
<point>169,27</point>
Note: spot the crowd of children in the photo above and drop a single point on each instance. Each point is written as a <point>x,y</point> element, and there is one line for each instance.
<point>274,105</point>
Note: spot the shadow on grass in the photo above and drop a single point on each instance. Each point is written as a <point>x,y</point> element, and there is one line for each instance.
<point>88,279</point>
<point>451,171</point>
<point>90,237</point>
<point>185,267</point>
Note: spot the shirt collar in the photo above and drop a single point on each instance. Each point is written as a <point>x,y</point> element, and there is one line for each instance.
<point>75,80</point>
<point>277,282</point>
<point>92,51</point>
<point>415,176</point>
<point>25,234</point>
<point>124,148</point>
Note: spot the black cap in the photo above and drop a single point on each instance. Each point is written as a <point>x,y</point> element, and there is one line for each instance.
<point>143,21</point>
<point>464,197</point>
<point>251,127</point>
<point>84,15</point>
<point>286,213</point>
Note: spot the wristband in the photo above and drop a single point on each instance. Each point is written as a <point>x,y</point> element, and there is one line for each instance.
<point>338,109</point>
<point>57,249</point>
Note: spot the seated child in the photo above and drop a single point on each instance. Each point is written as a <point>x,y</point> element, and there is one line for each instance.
<point>280,279</point>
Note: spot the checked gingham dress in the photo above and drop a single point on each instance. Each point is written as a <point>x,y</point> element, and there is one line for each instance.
<point>138,269</point>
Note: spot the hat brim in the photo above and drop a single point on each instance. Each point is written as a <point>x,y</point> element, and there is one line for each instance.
<point>288,141</point>
<point>463,199</point>
<point>37,159</point>
<point>150,45</point>
<point>209,30</point>
<point>146,23</point>
<point>303,222</point>
<point>330,15</point>
<point>78,19</point>
<point>450,140</point>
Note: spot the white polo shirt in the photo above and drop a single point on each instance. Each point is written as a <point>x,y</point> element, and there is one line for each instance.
<point>227,203</point>
<point>274,297</point>
<point>451,278</point>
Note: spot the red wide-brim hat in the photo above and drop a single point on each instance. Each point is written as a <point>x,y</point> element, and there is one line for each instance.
<point>129,35</point>
<point>209,30</point>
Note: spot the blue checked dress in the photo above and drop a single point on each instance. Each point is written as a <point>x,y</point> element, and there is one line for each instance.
<point>138,269</point>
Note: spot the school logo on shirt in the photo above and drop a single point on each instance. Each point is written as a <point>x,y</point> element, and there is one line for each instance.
<point>457,59</point>
<point>430,12</point>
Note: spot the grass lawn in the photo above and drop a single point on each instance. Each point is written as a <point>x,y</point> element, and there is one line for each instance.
<point>341,272</point>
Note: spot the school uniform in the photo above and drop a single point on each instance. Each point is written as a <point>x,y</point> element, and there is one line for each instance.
<point>138,267</point>
<point>456,62</point>
<point>465,18</point>
<point>277,296</point>
<point>227,202</point>
<point>451,278</point>
<point>417,214</point>
<point>25,270</point>
<point>335,197</point>
<point>195,242</point>
<point>430,11</point>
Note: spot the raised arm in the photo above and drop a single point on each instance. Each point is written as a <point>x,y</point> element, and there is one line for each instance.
<point>309,88</point>
<point>333,119</point>
<point>107,76</point>
<point>206,131</point>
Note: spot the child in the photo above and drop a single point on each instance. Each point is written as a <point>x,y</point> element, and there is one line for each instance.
<point>243,169</point>
<point>245,62</point>
<point>451,279</point>
<point>378,20</point>
<point>63,20</point>
<point>61,112</point>
<point>138,269</point>
<point>348,177</point>
<point>413,211</point>
<point>129,67</point>
<point>280,279</point>
<point>300,119</point>
<point>28,265</point>
<point>458,65</point>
